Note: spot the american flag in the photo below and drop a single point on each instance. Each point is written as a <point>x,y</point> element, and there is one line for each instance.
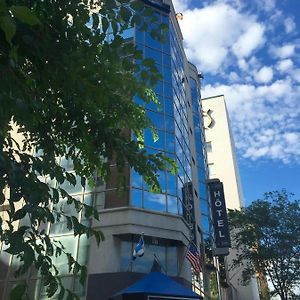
<point>194,258</point>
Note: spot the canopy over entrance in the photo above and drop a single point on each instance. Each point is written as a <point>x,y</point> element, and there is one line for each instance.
<point>156,286</point>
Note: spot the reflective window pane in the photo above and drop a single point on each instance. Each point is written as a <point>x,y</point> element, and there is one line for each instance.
<point>136,179</point>
<point>136,198</point>
<point>172,204</point>
<point>154,201</point>
<point>170,139</point>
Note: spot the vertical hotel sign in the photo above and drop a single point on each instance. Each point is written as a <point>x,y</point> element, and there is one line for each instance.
<point>219,214</point>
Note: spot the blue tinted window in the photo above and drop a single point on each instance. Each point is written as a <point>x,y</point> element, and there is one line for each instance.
<point>158,88</point>
<point>201,175</point>
<point>140,48</point>
<point>159,144</point>
<point>170,140</point>
<point>167,74</point>
<point>154,106</point>
<point>177,119</point>
<point>205,223</point>
<point>172,204</point>
<point>161,177</point>
<point>167,60</point>
<point>171,184</point>
<point>166,44</point>
<point>168,104</point>
<point>180,180</point>
<point>169,124</point>
<point>168,90</point>
<point>136,179</point>
<point>180,207</point>
<point>139,36</point>
<point>154,201</point>
<point>204,207</point>
<point>138,100</point>
<point>154,54</point>
<point>151,42</point>
<point>178,150</point>
<point>202,187</point>
<point>136,198</point>
<point>128,33</point>
<point>157,119</point>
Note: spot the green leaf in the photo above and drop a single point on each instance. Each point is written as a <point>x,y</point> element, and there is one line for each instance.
<point>83,182</point>
<point>98,236</point>
<point>71,178</point>
<point>18,292</point>
<point>83,275</point>
<point>61,293</point>
<point>96,214</point>
<point>148,62</point>
<point>125,13</point>
<point>19,214</point>
<point>28,258</point>
<point>3,7</point>
<point>95,20</point>
<point>104,23</point>
<point>55,195</point>
<point>8,25</point>
<point>2,198</point>
<point>137,5</point>
<point>25,15</point>
<point>52,287</point>
<point>58,251</point>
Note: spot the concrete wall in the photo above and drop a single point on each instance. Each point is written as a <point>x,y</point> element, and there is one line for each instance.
<point>223,158</point>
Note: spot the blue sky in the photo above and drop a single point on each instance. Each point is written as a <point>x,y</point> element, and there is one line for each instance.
<point>249,50</point>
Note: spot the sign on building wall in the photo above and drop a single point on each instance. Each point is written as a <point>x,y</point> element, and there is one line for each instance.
<point>219,214</point>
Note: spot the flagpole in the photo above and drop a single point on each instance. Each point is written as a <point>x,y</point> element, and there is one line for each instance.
<point>156,258</point>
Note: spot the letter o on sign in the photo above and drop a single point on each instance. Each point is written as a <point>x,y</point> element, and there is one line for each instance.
<point>218,203</point>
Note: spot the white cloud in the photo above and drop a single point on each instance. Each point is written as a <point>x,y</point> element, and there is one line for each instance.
<point>265,119</point>
<point>249,40</point>
<point>264,75</point>
<point>242,64</point>
<point>289,25</point>
<point>222,39</point>
<point>284,65</point>
<point>216,33</point>
<point>283,52</point>
<point>292,137</point>
<point>233,76</point>
<point>296,75</point>
<point>180,5</point>
<point>267,5</point>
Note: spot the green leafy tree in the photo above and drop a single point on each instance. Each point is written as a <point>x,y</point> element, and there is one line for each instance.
<point>67,83</point>
<point>267,237</point>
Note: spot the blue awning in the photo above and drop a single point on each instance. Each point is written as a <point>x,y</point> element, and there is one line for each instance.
<point>158,284</point>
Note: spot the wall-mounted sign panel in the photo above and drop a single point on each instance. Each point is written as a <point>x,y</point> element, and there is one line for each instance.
<point>219,214</point>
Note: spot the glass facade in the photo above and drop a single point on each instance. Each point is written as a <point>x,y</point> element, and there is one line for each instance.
<point>170,119</point>
<point>59,233</point>
<point>202,168</point>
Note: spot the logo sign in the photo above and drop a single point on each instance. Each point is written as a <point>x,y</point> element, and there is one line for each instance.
<point>219,214</point>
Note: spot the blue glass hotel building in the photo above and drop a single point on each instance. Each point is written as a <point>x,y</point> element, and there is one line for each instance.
<point>170,220</point>
<point>180,214</point>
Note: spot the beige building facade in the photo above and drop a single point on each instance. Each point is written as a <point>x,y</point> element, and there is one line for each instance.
<point>222,164</point>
